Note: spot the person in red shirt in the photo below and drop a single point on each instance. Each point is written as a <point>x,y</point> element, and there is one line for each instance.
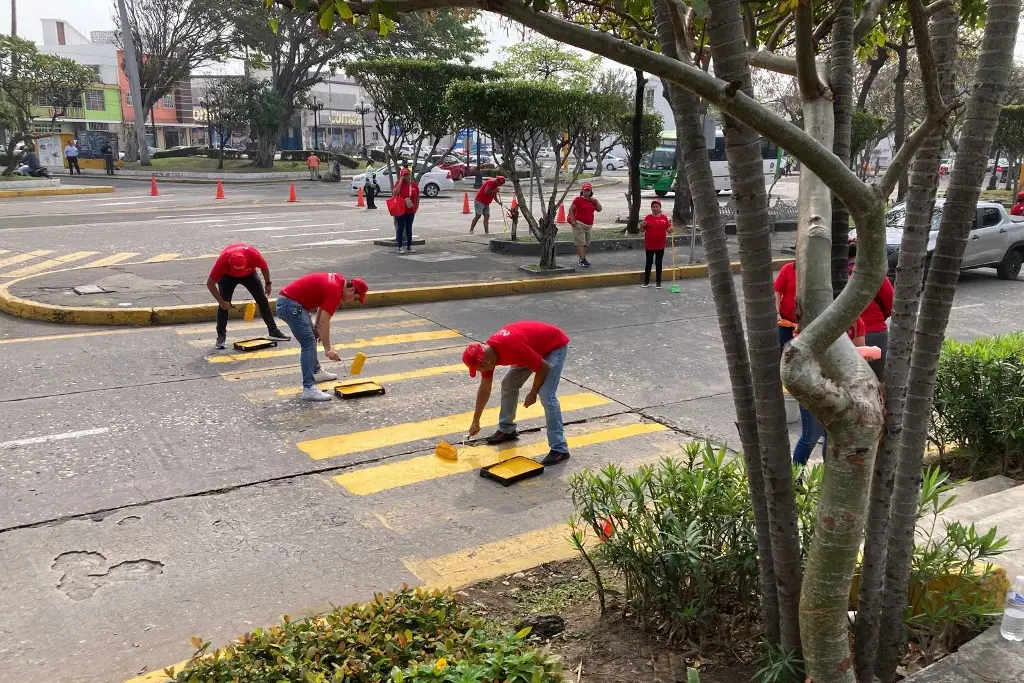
<point>237,265</point>
<point>409,191</point>
<point>482,203</point>
<point>876,318</point>
<point>581,218</point>
<point>1018,208</point>
<point>530,347</point>
<point>323,293</point>
<point>655,227</point>
<point>785,302</point>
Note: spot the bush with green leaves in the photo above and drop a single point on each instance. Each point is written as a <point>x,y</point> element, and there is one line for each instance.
<point>979,403</point>
<point>411,636</point>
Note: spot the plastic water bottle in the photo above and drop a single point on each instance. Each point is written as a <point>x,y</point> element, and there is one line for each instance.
<point>1012,627</point>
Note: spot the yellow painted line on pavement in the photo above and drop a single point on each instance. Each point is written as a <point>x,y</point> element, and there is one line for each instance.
<point>371,439</point>
<point>263,396</point>
<point>383,340</point>
<point>27,256</point>
<point>5,251</point>
<point>209,341</point>
<point>339,319</point>
<point>111,260</point>
<point>291,369</point>
<point>160,258</point>
<point>426,467</point>
<point>49,263</point>
<point>75,335</point>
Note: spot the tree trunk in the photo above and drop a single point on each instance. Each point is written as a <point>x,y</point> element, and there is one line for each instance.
<point>266,147</point>
<point>875,63</point>
<point>841,82</point>
<point>548,230</point>
<point>15,138</point>
<point>692,148</point>
<point>220,159</point>
<point>900,104</point>
<point>743,148</point>
<point>924,181</point>
<point>982,118</point>
<point>633,223</point>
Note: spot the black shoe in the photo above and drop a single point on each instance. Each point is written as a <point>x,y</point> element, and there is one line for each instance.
<point>585,263</point>
<point>221,342</point>
<point>554,457</point>
<point>501,437</point>
<point>278,335</point>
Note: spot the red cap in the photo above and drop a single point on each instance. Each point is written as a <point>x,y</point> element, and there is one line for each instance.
<point>359,284</point>
<point>587,186</point>
<point>238,264</point>
<point>473,356</point>
<point>405,171</point>
<point>500,179</point>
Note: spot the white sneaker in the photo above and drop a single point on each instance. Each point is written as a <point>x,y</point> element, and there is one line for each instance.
<point>315,394</point>
<point>400,251</point>
<point>324,376</point>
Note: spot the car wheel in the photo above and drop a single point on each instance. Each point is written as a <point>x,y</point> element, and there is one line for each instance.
<point>432,190</point>
<point>661,193</point>
<point>1009,268</point>
<point>610,167</point>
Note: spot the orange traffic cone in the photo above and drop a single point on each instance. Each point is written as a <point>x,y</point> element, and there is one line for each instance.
<point>220,189</point>
<point>465,202</point>
<point>360,200</point>
<point>561,214</point>
<point>291,194</point>
<point>515,204</point>
<point>153,192</point>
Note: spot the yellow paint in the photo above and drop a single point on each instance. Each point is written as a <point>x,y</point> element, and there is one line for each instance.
<point>278,370</point>
<point>75,335</point>
<point>158,676</point>
<point>5,251</point>
<point>50,264</point>
<point>160,258</point>
<point>56,191</point>
<point>27,256</point>
<point>514,466</point>
<point>380,379</point>
<point>340,318</point>
<point>424,468</point>
<point>335,329</point>
<point>358,442</point>
<point>383,340</point>
<point>111,260</point>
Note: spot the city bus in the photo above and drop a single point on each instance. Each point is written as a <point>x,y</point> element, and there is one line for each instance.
<point>658,169</point>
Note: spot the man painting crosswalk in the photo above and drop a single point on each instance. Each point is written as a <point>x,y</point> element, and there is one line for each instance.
<point>530,347</point>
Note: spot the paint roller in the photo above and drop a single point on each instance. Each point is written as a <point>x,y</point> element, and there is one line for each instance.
<point>357,363</point>
<point>250,312</point>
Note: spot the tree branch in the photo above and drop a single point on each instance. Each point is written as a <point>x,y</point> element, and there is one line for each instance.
<point>868,15</point>
<point>822,29</point>
<point>937,5</point>
<point>925,56</point>
<point>749,26</point>
<point>806,68</point>
<point>780,30</point>
<point>770,61</point>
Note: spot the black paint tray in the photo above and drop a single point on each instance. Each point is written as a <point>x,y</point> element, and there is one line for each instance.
<point>508,472</point>
<point>358,389</point>
<point>254,344</point>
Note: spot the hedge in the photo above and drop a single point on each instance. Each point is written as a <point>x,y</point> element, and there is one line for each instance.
<point>177,153</point>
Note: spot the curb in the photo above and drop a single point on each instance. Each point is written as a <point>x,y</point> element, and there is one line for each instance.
<point>56,191</point>
<point>33,184</point>
<point>197,313</point>
<point>566,248</point>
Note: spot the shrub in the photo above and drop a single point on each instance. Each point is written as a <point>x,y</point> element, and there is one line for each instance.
<point>979,403</point>
<point>177,153</point>
<point>411,636</point>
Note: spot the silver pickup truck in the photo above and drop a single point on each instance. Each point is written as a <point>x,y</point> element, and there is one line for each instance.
<point>996,239</point>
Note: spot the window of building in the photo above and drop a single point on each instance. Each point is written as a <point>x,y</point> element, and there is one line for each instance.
<point>94,100</point>
<point>42,100</point>
<point>167,101</point>
<point>98,126</point>
<point>45,127</point>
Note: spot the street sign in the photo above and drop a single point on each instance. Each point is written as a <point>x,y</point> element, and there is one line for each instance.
<point>466,134</point>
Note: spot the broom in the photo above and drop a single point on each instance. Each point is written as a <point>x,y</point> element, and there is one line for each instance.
<point>674,288</point>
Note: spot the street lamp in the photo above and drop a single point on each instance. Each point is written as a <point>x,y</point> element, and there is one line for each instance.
<point>204,105</point>
<point>479,180</point>
<point>317,107</point>
<point>362,108</point>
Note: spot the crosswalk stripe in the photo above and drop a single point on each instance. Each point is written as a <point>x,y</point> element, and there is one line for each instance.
<point>261,396</point>
<point>5,251</point>
<point>337,321</point>
<point>290,369</point>
<point>382,340</point>
<point>55,262</point>
<point>426,467</point>
<point>111,260</point>
<point>27,256</point>
<point>421,322</point>
<point>160,258</point>
<point>371,439</point>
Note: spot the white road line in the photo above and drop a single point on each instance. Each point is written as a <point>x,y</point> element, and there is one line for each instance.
<point>330,243</point>
<point>54,437</point>
<point>140,201</point>
<point>332,232</point>
<point>960,308</point>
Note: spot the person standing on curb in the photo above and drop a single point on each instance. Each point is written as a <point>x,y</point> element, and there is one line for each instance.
<point>237,265</point>
<point>655,227</point>
<point>323,293</point>
<point>313,163</point>
<point>108,157</point>
<point>409,192</point>
<point>581,218</point>
<point>530,347</point>
<point>71,153</point>
<point>482,202</point>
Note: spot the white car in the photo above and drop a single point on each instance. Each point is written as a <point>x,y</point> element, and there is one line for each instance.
<point>432,183</point>
<point>611,163</point>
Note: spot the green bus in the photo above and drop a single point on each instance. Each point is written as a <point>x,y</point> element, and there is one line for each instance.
<point>658,169</point>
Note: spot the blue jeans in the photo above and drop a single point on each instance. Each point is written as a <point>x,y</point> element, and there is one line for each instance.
<point>403,226</point>
<point>811,431</point>
<point>301,325</point>
<point>514,380</point>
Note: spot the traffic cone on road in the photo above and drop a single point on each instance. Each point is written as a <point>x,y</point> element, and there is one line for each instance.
<point>360,200</point>
<point>561,214</point>
<point>465,202</point>
<point>153,192</point>
<point>220,189</point>
<point>515,204</point>
<point>291,194</point>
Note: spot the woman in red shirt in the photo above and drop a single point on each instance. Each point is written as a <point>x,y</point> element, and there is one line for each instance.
<point>408,190</point>
<point>876,317</point>
<point>655,227</point>
<point>785,302</point>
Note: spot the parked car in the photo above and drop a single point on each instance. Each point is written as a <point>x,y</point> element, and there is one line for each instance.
<point>610,162</point>
<point>945,166</point>
<point>431,183</point>
<point>450,163</point>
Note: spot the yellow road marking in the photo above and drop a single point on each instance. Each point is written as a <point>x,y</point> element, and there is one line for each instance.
<point>75,335</point>
<point>27,256</point>
<point>260,373</point>
<point>54,262</point>
<point>5,251</point>
<point>383,340</point>
<point>423,468</point>
<point>339,318</point>
<point>260,396</point>
<point>358,442</point>
<point>111,260</point>
<point>160,258</point>
<point>204,343</point>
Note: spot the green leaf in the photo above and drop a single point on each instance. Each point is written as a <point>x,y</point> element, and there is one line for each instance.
<point>327,18</point>
<point>700,8</point>
<point>275,24</point>
<point>344,11</point>
<point>525,632</point>
<point>692,676</point>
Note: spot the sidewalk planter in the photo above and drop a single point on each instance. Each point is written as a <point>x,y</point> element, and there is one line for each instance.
<point>506,247</point>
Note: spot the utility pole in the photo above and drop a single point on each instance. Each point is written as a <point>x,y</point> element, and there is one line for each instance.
<point>14,18</point>
<point>132,67</point>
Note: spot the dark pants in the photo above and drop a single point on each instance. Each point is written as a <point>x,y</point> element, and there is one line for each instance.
<point>227,286</point>
<point>109,162</point>
<point>655,256</point>
<point>73,166</point>
<point>881,340</point>
<point>403,226</point>
<point>785,335</point>
<point>370,198</point>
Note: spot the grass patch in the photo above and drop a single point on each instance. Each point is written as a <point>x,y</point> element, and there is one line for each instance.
<point>6,178</point>
<point>999,196</point>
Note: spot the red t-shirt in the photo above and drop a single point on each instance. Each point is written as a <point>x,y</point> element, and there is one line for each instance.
<point>656,231</point>
<point>785,284</point>
<point>584,210</point>
<point>253,260</point>
<point>412,191</point>
<point>1018,209</point>
<point>488,191</point>
<point>317,290</point>
<point>525,343</point>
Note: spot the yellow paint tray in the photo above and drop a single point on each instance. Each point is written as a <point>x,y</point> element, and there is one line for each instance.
<point>254,344</point>
<point>508,472</point>
<point>358,389</point>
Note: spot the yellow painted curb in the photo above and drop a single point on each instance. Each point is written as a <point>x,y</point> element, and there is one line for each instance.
<point>56,191</point>
<point>197,313</point>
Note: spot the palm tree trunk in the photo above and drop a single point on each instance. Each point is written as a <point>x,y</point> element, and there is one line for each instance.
<point>633,223</point>
<point>961,199</point>
<point>841,82</point>
<point>900,103</point>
